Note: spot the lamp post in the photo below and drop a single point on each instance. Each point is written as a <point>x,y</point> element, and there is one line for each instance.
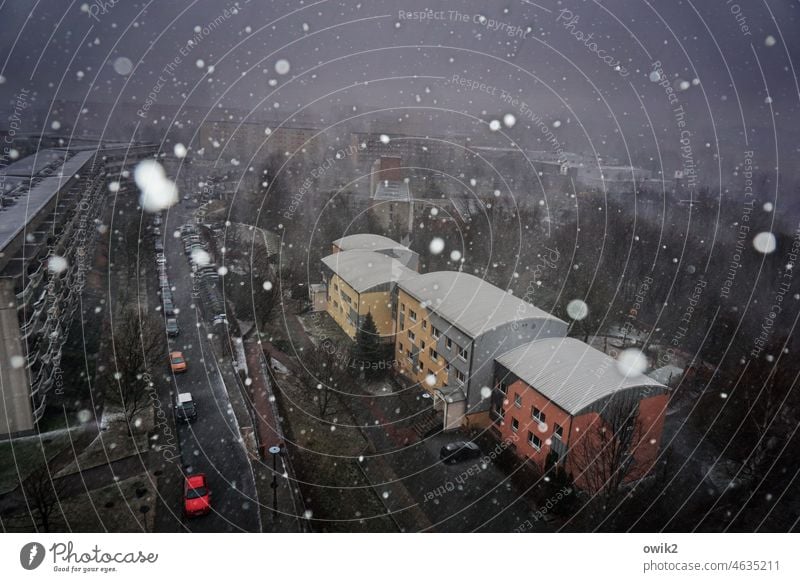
<point>275,451</point>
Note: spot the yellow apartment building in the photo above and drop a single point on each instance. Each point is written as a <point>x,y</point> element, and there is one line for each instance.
<point>360,282</point>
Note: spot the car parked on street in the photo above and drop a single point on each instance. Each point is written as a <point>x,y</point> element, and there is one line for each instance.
<point>185,409</point>
<point>196,496</point>
<point>458,451</point>
<point>159,246</point>
<point>169,306</point>
<point>177,362</point>
<point>172,327</point>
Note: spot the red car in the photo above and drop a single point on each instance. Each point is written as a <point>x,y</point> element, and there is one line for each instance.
<point>196,496</point>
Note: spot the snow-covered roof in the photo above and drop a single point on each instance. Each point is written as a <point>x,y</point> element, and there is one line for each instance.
<point>571,373</point>
<point>395,190</point>
<point>666,374</point>
<point>367,242</point>
<point>364,270</point>
<point>470,303</point>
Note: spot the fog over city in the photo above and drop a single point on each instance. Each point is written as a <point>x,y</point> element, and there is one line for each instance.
<point>399,267</point>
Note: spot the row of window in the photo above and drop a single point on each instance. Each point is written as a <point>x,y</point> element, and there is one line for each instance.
<point>558,430</point>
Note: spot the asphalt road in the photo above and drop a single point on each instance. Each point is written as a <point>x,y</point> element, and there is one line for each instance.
<point>211,444</point>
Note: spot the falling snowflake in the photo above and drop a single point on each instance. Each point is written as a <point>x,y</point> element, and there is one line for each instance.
<point>631,362</point>
<point>123,66</point>
<point>157,191</point>
<point>764,242</point>
<point>577,309</point>
<point>57,264</point>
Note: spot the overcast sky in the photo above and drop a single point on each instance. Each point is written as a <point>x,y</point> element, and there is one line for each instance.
<point>732,67</point>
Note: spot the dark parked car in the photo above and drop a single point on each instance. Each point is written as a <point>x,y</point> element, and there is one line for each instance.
<point>169,307</point>
<point>159,246</point>
<point>459,451</point>
<point>185,409</point>
<point>172,327</point>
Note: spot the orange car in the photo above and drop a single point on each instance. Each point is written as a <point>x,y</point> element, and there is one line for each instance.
<point>177,361</point>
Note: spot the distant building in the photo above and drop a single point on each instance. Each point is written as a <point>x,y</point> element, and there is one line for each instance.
<point>246,139</point>
<point>614,179</point>
<point>390,202</point>
<point>450,327</point>
<point>415,149</point>
<point>568,403</point>
<point>359,282</point>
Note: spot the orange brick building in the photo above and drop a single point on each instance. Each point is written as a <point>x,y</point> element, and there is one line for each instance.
<point>569,404</point>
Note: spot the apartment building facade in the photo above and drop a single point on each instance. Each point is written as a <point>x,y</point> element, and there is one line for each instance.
<point>47,238</point>
<point>450,326</point>
<point>359,282</point>
<point>569,404</point>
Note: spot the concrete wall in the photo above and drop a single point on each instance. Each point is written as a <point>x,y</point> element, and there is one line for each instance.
<point>16,415</point>
<point>491,344</point>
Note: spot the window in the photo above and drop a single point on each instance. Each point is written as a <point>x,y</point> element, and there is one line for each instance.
<point>412,315</point>
<point>335,304</point>
<point>402,325</point>
<point>537,414</point>
<point>411,335</point>
<point>400,347</point>
<point>514,424</point>
<point>434,354</point>
<point>336,286</point>
<point>402,308</point>
<point>424,324</point>
<point>449,343</point>
<point>534,441</point>
<point>462,353</point>
<point>518,400</point>
<point>409,354</point>
<point>460,376</point>
<point>434,333</point>
<point>503,387</point>
<point>422,345</point>
<point>558,431</point>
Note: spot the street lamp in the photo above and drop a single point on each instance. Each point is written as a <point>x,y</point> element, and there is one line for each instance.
<point>275,451</point>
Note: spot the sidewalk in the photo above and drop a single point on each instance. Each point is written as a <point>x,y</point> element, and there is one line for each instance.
<point>269,433</point>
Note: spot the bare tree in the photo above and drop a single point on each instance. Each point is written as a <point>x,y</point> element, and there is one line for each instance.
<point>327,373</point>
<point>43,494</point>
<point>602,458</point>
<point>138,342</point>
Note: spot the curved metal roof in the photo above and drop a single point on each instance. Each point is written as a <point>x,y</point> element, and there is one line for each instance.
<point>363,270</point>
<point>470,303</point>
<point>571,373</point>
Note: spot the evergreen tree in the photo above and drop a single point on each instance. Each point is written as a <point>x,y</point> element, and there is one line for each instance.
<point>369,354</point>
